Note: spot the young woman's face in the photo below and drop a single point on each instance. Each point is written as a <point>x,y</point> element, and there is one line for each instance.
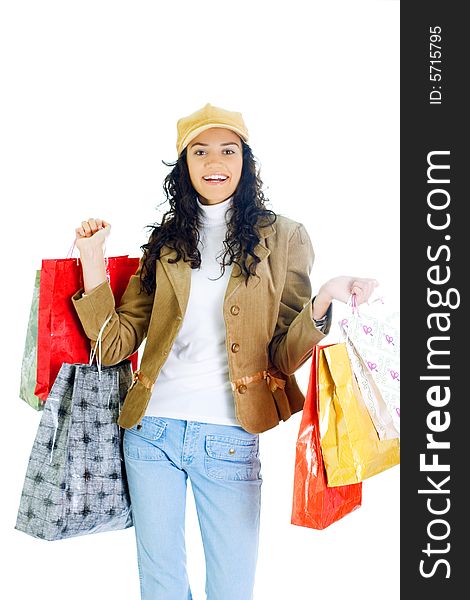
<point>215,151</point>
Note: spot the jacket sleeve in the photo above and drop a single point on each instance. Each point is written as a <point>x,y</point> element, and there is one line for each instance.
<point>295,334</point>
<point>128,325</point>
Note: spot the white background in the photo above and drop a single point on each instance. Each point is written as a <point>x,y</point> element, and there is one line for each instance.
<point>91,92</point>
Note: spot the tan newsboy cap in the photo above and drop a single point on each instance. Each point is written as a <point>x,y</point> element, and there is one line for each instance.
<point>208,116</point>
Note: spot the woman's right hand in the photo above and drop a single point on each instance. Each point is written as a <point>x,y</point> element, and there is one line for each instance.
<point>91,234</point>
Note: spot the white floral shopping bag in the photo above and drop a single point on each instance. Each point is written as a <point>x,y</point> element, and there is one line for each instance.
<point>372,338</point>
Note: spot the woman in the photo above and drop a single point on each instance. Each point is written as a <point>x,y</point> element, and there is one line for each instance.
<point>222,346</point>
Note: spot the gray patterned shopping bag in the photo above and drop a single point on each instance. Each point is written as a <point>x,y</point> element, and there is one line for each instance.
<point>75,480</point>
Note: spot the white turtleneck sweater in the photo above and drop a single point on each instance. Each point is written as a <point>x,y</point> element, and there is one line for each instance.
<point>194,381</point>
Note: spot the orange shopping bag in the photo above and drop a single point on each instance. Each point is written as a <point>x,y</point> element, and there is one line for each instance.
<point>315,504</point>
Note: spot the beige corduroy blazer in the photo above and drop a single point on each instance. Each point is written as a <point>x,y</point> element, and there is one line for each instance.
<point>270,331</point>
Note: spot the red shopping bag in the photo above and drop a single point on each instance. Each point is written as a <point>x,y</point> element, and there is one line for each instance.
<point>314,504</point>
<point>60,334</point>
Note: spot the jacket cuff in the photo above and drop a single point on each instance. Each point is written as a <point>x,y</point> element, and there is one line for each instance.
<point>311,334</point>
<point>94,308</point>
<point>306,336</point>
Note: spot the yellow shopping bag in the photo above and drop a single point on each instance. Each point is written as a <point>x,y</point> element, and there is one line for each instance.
<point>351,448</point>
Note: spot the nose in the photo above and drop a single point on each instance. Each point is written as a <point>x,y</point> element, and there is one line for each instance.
<point>214,167</point>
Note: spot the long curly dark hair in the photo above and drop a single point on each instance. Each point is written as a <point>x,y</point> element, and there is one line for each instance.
<point>179,228</point>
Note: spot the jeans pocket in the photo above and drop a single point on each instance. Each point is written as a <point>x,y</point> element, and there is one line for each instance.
<point>146,441</point>
<point>232,458</point>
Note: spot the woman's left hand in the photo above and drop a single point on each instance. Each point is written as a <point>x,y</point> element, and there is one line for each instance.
<point>341,288</point>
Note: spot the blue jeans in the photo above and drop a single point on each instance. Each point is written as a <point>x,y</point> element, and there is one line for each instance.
<point>223,464</point>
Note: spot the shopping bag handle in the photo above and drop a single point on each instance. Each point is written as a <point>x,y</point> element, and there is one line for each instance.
<point>98,345</point>
<point>73,246</point>
<point>354,312</point>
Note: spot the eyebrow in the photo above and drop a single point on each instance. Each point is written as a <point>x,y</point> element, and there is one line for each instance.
<point>224,144</point>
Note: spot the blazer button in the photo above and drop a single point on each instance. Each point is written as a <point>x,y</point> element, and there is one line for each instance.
<point>242,388</point>
<point>234,309</point>
<point>235,347</point>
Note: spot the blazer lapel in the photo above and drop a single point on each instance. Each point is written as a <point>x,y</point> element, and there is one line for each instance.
<point>179,273</point>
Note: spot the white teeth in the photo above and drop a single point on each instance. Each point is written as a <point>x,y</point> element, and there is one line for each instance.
<point>215,177</point>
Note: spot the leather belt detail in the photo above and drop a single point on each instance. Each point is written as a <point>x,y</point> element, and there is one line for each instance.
<point>272,381</point>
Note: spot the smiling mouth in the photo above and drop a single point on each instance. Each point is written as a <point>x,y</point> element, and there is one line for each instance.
<point>216,179</point>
